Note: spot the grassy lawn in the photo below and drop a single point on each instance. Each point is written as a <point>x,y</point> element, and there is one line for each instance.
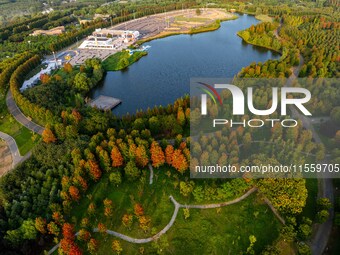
<point>209,231</point>
<point>10,126</point>
<point>264,18</point>
<point>113,62</point>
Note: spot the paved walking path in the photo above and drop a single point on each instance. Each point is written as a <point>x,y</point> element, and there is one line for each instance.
<point>20,117</point>
<point>151,174</point>
<point>16,157</point>
<point>172,220</point>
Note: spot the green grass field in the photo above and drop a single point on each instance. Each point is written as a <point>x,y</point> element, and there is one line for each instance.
<point>10,126</point>
<point>113,62</point>
<point>208,231</point>
<point>264,18</point>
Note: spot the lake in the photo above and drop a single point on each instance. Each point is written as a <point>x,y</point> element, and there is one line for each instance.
<point>164,74</point>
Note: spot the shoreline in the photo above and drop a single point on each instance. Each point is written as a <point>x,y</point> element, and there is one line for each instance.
<point>215,25</point>
<point>258,45</point>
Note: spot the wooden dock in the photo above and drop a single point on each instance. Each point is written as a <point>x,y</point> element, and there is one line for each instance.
<point>105,103</point>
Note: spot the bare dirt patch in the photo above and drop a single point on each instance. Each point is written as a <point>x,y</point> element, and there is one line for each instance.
<point>5,158</point>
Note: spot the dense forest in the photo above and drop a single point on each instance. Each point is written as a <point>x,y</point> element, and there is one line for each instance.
<point>83,149</point>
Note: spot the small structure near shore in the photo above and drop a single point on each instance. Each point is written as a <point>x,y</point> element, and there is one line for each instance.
<point>105,103</point>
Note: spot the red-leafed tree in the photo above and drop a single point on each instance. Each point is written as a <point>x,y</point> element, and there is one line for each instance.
<point>116,157</point>
<point>157,155</point>
<point>68,231</point>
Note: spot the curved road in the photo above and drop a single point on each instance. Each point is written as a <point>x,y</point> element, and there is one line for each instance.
<point>16,157</point>
<point>325,185</point>
<point>20,117</point>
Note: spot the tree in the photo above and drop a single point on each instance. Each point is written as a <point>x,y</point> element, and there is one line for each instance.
<point>28,230</point>
<point>68,231</point>
<point>48,136</point>
<point>84,235</point>
<point>179,162</point>
<point>186,188</point>
<point>40,225</point>
<point>198,11</point>
<point>157,155</point>
<point>81,82</point>
<point>95,172</point>
<point>144,222</point>
<point>141,156</point>
<point>169,152</point>
<point>250,249</point>
<point>44,78</point>
<point>53,228</point>
<point>131,171</point>
<point>116,156</point>
<point>180,116</point>
<point>74,192</point>
<point>115,178</point>
<point>127,220</point>
<point>138,209</point>
<point>68,68</point>
<point>92,246</point>
<point>116,247</point>
<point>322,216</point>
<point>186,213</point>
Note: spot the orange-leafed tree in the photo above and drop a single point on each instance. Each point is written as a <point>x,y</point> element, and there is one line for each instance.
<point>74,192</point>
<point>44,78</point>
<point>138,209</point>
<point>141,156</point>
<point>58,217</point>
<point>179,162</point>
<point>40,225</point>
<point>95,172</point>
<point>169,152</point>
<point>68,68</point>
<point>127,220</point>
<point>68,231</point>
<point>116,157</point>
<point>157,155</point>
<point>48,136</point>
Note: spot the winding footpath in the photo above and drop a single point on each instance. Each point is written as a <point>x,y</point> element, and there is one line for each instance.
<point>171,222</point>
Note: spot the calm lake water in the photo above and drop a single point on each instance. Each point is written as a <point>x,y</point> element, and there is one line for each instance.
<point>164,74</point>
